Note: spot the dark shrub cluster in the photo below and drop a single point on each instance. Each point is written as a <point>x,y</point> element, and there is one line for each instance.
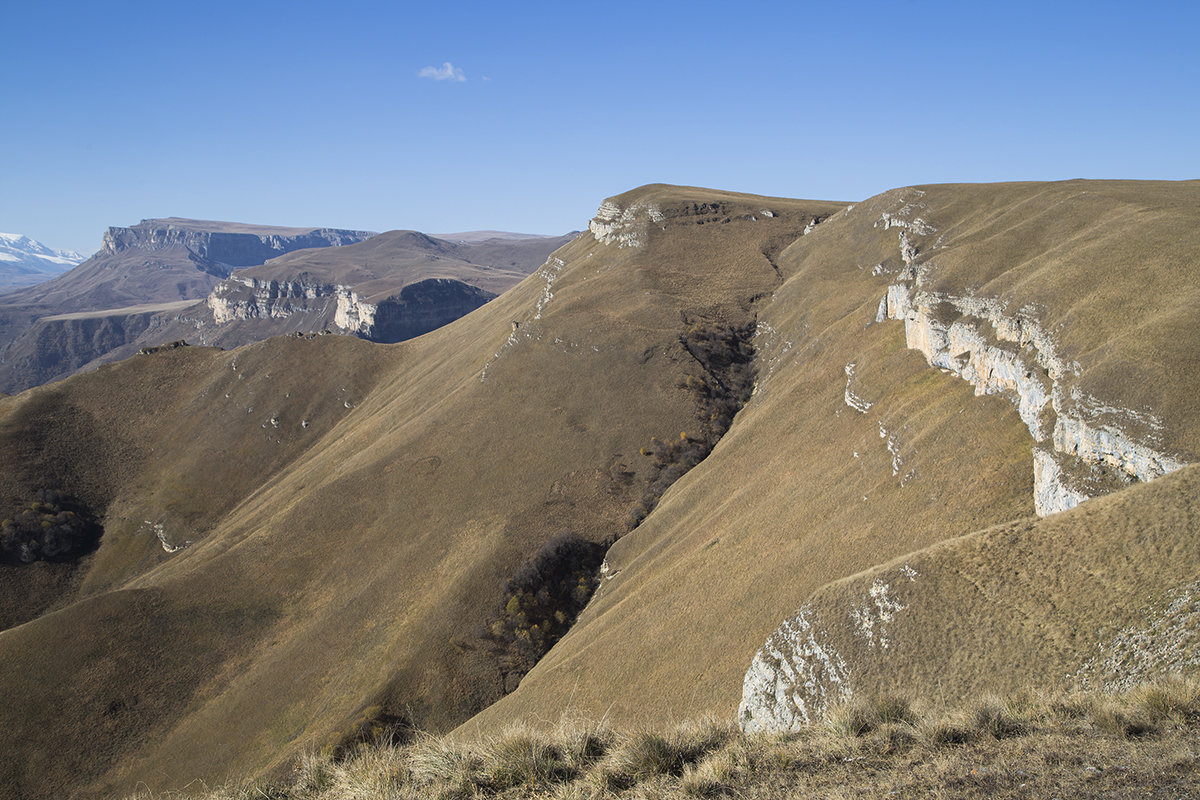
<point>541,602</point>
<point>669,460</point>
<point>726,356</point>
<point>53,527</point>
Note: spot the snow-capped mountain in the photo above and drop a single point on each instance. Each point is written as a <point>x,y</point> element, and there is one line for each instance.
<point>24,261</point>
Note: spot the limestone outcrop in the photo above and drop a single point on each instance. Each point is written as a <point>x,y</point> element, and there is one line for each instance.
<point>417,308</point>
<point>624,227</point>
<point>1121,610</point>
<point>242,298</point>
<point>1084,446</point>
<point>627,225</point>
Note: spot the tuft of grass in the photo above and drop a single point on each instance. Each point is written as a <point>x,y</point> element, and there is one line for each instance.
<point>523,757</point>
<point>370,771</point>
<point>645,754</point>
<point>584,743</point>
<point>859,715</point>
<point>432,760</point>
<point>945,731</point>
<point>1000,718</point>
<point>893,709</point>
<point>1122,721</point>
<point>313,774</point>
<point>1173,698</point>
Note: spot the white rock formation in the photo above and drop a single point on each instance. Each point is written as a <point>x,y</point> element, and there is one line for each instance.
<point>352,313</point>
<point>623,227</point>
<point>793,676</point>
<point>248,298</point>
<point>1083,447</point>
<point>548,272</point>
<point>854,401</point>
<point>798,674</point>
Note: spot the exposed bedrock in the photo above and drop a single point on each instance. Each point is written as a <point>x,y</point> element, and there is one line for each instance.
<point>627,225</point>
<point>1084,447</point>
<point>238,298</point>
<point>416,309</point>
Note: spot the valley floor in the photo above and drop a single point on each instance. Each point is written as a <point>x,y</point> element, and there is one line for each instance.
<point>1142,744</point>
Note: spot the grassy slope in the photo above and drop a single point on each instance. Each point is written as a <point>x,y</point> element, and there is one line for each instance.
<point>351,561</point>
<point>352,564</point>
<point>802,492</point>
<point>1105,594</point>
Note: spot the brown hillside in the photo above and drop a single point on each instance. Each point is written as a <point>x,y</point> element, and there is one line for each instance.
<point>353,561</point>
<point>1104,595</point>
<point>353,514</point>
<point>806,488</point>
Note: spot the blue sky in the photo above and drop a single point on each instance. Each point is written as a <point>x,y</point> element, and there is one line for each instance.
<point>310,114</point>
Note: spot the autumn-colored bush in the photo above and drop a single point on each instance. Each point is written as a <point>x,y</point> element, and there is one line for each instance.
<point>541,602</point>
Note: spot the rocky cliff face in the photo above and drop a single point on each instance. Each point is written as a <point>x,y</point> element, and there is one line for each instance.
<point>219,252</point>
<point>627,225</point>
<point>416,309</point>
<point>1074,303</point>
<point>1084,446</point>
<point>241,298</point>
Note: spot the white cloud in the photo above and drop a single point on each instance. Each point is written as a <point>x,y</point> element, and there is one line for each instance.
<point>446,72</point>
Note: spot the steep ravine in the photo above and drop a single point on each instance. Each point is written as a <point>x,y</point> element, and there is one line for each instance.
<point>543,599</point>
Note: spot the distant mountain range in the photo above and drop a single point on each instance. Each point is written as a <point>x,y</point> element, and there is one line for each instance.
<point>229,284</point>
<point>25,261</point>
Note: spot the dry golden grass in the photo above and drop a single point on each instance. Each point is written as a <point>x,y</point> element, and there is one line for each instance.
<point>375,499</point>
<point>352,559</point>
<point>1025,745</point>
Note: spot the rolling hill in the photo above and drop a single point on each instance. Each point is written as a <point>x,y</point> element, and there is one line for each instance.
<point>953,408</point>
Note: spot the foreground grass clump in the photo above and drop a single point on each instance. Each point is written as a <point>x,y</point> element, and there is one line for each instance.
<point>1142,744</point>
